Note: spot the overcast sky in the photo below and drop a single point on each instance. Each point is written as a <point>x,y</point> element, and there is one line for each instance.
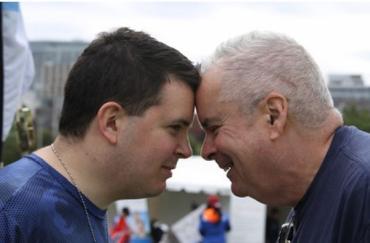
<point>336,34</point>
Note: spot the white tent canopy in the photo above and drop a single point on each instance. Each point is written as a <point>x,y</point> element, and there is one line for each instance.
<point>196,175</point>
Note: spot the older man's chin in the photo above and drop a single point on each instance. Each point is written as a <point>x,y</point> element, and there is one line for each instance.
<point>237,191</point>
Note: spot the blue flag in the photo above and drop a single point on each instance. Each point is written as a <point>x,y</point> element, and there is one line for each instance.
<point>18,63</point>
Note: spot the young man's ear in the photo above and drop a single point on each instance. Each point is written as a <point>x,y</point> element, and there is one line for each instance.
<point>109,119</point>
<point>276,112</point>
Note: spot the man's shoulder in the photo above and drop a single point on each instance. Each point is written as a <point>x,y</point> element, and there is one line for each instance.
<point>357,145</point>
<point>14,177</point>
<point>26,185</point>
<point>352,151</point>
<point>33,202</point>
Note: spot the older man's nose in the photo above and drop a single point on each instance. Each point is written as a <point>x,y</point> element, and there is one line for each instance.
<point>208,149</point>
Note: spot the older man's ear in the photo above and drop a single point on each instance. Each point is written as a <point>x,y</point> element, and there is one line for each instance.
<point>276,111</point>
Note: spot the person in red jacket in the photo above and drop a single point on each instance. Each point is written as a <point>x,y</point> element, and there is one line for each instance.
<point>121,232</point>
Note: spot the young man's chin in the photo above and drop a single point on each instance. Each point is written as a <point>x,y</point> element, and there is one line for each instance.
<point>155,191</point>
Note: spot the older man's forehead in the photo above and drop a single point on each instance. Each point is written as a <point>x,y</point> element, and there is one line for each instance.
<point>208,112</point>
<point>207,97</point>
<point>210,85</point>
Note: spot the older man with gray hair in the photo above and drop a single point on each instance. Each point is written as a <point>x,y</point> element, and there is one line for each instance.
<point>270,122</point>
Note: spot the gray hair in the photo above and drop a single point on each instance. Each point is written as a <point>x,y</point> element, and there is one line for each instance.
<point>255,64</point>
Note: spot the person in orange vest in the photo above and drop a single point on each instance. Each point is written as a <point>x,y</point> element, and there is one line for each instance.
<point>121,232</point>
<point>213,223</point>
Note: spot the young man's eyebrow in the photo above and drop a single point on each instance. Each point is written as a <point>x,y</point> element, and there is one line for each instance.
<point>182,122</point>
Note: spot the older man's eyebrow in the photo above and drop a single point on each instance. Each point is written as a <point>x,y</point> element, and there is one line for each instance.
<point>205,123</point>
<point>208,122</point>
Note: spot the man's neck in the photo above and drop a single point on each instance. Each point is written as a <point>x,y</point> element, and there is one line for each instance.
<point>79,164</point>
<point>315,144</point>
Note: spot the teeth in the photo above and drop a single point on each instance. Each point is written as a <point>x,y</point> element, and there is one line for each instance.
<point>228,167</point>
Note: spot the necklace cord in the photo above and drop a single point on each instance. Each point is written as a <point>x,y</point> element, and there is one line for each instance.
<point>77,189</point>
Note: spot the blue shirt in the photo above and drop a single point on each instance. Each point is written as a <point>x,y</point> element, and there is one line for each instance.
<point>37,204</point>
<point>336,207</point>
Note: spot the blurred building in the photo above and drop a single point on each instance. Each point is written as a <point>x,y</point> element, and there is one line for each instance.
<point>53,61</point>
<point>349,89</point>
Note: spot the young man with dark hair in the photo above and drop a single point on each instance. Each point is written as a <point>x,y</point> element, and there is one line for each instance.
<point>129,101</point>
